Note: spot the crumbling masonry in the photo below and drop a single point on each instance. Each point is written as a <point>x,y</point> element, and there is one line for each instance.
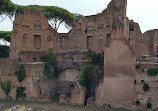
<point>110,31</point>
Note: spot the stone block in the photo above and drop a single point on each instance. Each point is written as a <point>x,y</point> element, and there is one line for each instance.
<point>78,96</point>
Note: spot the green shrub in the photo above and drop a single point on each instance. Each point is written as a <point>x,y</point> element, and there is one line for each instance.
<point>149,105</point>
<point>97,58</point>
<point>21,73</point>
<point>137,66</point>
<point>142,81</point>
<point>4,51</point>
<point>47,71</point>
<point>55,98</point>
<point>20,92</point>
<point>49,57</point>
<point>152,72</point>
<point>146,87</point>
<point>6,86</point>
<point>137,102</point>
<point>34,59</point>
<point>87,77</point>
<point>56,73</point>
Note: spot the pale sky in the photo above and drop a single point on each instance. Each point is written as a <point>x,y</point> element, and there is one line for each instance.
<point>142,11</point>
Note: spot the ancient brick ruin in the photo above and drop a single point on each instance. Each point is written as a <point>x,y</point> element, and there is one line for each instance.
<point>110,31</point>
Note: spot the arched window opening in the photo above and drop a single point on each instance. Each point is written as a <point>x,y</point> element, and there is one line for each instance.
<point>90,26</point>
<point>71,88</point>
<point>37,25</point>
<point>100,24</point>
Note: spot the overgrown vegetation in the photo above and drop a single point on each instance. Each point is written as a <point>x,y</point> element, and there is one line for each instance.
<point>93,72</point>
<point>146,87</point>
<point>47,71</point>
<point>149,105</point>
<point>34,59</point>
<point>152,72</point>
<point>137,102</point>
<point>137,66</point>
<point>6,86</point>
<point>55,98</point>
<point>20,92</point>
<point>87,76</point>
<point>4,51</point>
<point>21,73</point>
<point>50,59</point>
<point>56,72</point>
<point>96,58</point>
<point>142,81</point>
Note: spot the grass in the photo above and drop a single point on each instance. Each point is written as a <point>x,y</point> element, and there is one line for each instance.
<point>51,106</point>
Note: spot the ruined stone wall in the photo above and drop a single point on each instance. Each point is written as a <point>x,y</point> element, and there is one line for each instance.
<point>31,37</point>
<point>141,78</point>
<point>38,87</point>
<point>68,79</point>
<point>134,38</point>
<point>70,65</point>
<point>90,33</point>
<point>148,43</point>
<point>119,61</point>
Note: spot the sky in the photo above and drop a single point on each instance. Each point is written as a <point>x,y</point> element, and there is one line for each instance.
<point>143,12</point>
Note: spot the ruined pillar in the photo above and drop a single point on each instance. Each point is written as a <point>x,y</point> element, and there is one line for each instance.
<point>117,88</point>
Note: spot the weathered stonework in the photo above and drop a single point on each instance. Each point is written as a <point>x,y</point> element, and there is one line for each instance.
<point>143,77</point>
<point>77,97</point>
<point>110,31</point>
<point>36,84</point>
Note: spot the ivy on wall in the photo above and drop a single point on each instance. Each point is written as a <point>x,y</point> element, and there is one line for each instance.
<point>21,73</point>
<point>6,86</point>
<point>152,72</point>
<point>93,72</point>
<point>50,60</point>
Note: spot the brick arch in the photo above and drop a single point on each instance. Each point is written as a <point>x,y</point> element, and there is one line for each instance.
<point>37,25</point>
<point>90,25</point>
<point>100,23</point>
<point>71,86</point>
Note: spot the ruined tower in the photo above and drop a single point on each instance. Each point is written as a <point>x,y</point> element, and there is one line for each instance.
<point>119,60</point>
